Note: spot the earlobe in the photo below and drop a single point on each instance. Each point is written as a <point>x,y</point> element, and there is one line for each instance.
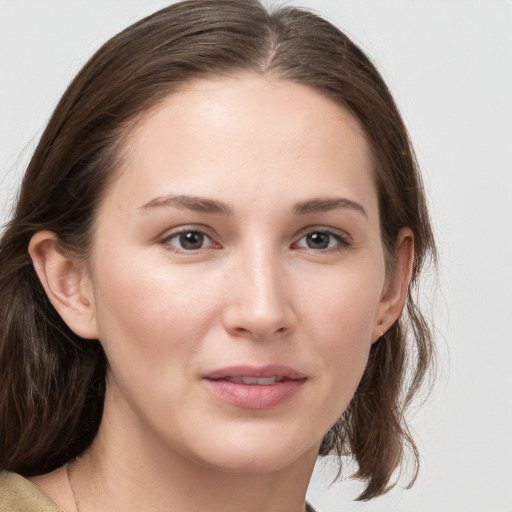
<point>65,282</point>
<point>394,295</point>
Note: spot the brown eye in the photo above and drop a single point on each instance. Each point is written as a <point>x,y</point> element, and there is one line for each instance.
<point>189,241</point>
<point>318,240</point>
<point>323,240</point>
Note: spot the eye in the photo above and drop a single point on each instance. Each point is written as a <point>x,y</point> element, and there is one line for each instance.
<point>189,240</point>
<point>323,240</point>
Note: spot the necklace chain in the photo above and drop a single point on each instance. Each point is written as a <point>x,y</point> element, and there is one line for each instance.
<point>70,484</point>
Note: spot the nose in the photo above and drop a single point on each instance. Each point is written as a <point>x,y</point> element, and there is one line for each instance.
<point>258,297</point>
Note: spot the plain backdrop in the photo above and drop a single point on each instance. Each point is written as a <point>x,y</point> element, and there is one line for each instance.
<point>449,64</point>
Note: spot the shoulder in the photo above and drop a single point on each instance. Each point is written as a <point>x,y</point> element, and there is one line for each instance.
<point>17,494</point>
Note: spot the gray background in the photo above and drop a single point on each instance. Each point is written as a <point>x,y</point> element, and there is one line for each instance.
<point>449,64</point>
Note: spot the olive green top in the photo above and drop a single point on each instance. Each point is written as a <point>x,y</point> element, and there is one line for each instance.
<point>17,494</point>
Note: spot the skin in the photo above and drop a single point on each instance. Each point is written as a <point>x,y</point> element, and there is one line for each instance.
<point>259,289</point>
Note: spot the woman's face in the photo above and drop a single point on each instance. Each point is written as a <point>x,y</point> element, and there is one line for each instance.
<point>237,273</point>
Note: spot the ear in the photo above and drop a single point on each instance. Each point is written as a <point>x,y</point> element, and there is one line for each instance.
<point>394,295</point>
<point>66,283</point>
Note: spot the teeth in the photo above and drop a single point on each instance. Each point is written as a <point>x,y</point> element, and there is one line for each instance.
<point>259,381</point>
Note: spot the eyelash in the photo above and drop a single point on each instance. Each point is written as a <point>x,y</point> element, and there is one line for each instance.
<point>166,241</point>
<point>342,241</point>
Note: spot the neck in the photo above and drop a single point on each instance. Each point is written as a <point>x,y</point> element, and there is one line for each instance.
<point>132,483</point>
<point>129,471</point>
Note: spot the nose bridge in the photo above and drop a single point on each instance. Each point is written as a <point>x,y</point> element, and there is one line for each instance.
<point>263,273</point>
<point>260,302</point>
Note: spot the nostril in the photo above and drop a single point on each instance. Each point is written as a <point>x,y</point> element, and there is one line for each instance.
<point>258,333</point>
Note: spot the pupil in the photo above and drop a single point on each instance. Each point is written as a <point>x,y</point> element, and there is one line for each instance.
<point>318,240</point>
<point>191,240</point>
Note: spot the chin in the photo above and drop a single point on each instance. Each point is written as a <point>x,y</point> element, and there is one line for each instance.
<point>254,462</point>
<point>257,454</point>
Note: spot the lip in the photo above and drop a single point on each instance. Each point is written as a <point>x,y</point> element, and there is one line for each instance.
<point>255,371</point>
<point>254,396</point>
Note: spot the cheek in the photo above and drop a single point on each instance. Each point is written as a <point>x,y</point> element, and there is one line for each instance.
<point>152,326</point>
<point>342,315</point>
<point>146,311</point>
<point>345,303</point>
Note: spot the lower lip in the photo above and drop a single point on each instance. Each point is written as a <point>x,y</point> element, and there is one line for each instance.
<point>256,397</point>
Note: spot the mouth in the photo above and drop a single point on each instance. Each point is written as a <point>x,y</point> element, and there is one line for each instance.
<point>254,388</point>
<point>247,374</point>
<point>255,381</point>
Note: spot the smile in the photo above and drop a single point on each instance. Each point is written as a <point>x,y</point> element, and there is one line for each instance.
<point>259,381</point>
<point>255,388</point>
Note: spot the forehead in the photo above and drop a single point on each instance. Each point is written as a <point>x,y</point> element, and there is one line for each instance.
<point>255,134</point>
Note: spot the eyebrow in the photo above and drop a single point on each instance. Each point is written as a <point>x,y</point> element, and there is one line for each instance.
<point>200,204</point>
<point>325,205</point>
<point>197,204</point>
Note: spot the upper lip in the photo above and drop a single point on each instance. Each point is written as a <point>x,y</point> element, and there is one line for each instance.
<point>271,370</point>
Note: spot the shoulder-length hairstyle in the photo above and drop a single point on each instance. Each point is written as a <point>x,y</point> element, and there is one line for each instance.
<point>52,381</point>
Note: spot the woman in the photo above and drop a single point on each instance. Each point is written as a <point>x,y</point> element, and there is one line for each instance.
<point>203,282</point>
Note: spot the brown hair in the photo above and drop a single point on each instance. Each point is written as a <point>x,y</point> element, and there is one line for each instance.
<point>53,382</point>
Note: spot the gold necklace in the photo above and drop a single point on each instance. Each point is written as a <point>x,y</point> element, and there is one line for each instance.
<point>70,484</point>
